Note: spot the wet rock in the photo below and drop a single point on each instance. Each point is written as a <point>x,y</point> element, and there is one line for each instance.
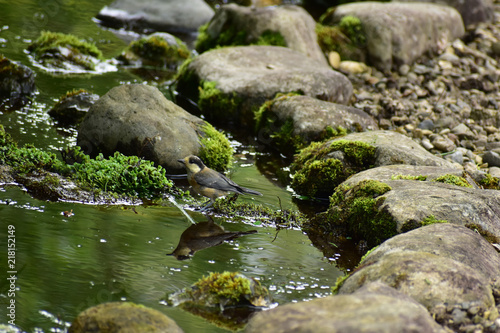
<point>121,317</point>
<point>229,83</point>
<point>429,279</point>
<point>157,50</point>
<point>492,158</point>
<point>287,25</point>
<point>58,52</point>
<point>72,107</point>
<point>472,11</point>
<point>292,122</point>
<point>321,167</point>
<point>445,240</point>
<point>161,15</point>
<point>398,33</point>
<point>17,84</point>
<point>373,308</point>
<point>139,120</point>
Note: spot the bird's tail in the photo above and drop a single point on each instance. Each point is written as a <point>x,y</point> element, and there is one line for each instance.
<point>245,190</point>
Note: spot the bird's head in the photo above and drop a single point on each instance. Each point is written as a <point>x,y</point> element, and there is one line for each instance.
<point>192,163</point>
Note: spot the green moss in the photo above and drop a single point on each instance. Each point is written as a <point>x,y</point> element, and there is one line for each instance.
<point>212,100</point>
<point>407,177</point>
<point>269,37</point>
<point>216,150</point>
<point>47,49</point>
<point>431,219</point>
<point>490,182</point>
<point>339,283</point>
<point>122,174</point>
<point>316,174</point>
<point>347,38</point>
<point>283,218</point>
<point>453,180</point>
<point>357,210</point>
<point>230,36</point>
<point>156,51</point>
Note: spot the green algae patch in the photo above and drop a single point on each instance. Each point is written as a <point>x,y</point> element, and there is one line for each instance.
<point>216,103</point>
<point>158,50</point>
<point>453,180</point>
<point>281,219</point>
<point>224,289</point>
<point>57,49</point>
<point>321,167</point>
<point>407,177</point>
<point>358,212</point>
<point>347,37</point>
<point>490,182</point>
<point>216,150</point>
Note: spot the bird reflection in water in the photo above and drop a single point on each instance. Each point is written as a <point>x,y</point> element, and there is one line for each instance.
<point>203,235</point>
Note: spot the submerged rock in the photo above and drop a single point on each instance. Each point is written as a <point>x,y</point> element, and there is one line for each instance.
<point>230,83</point>
<point>161,15</point>
<point>374,308</point>
<point>288,25</point>
<point>158,50</point>
<point>398,33</point>
<point>56,51</point>
<point>17,84</point>
<point>291,122</point>
<point>138,120</point>
<point>123,317</point>
<point>72,107</point>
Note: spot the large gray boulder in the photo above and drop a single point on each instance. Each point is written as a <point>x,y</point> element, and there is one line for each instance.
<point>472,11</point>
<point>292,122</point>
<point>162,15</point>
<point>398,33</point>
<point>138,120</point>
<point>287,24</point>
<point>374,308</point>
<point>230,83</point>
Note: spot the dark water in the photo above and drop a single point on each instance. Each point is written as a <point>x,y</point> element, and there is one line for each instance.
<point>113,253</point>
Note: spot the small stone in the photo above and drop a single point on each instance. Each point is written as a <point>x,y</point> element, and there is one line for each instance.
<point>494,172</point>
<point>384,124</point>
<point>458,316</point>
<point>456,157</point>
<point>353,67</point>
<point>463,132</point>
<point>473,310</point>
<point>427,144</point>
<point>492,158</point>
<point>491,129</point>
<point>334,59</point>
<point>443,144</point>
<point>495,48</point>
<point>404,69</point>
<point>426,124</point>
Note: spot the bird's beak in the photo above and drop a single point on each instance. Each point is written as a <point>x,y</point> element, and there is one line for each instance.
<point>181,161</point>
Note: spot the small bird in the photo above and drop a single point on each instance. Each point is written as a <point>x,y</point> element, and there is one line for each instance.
<point>210,183</point>
<point>202,236</point>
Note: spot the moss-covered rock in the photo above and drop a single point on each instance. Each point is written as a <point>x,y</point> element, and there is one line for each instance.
<point>216,150</point>
<point>73,106</point>
<point>123,317</point>
<point>157,50</point>
<point>64,51</point>
<point>17,84</point>
<point>285,25</point>
<point>321,167</point>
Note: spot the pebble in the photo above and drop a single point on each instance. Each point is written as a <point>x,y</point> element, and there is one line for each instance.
<point>492,158</point>
<point>427,144</point>
<point>456,157</point>
<point>463,132</point>
<point>443,144</point>
<point>426,124</point>
<point>334,59</point>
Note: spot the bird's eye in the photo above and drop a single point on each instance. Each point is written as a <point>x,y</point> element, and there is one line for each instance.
<point>191,160</point>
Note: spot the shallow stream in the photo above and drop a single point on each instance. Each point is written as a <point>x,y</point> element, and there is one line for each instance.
<point>112,253</point>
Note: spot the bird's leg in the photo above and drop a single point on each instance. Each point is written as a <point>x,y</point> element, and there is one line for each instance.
<point>207,206</point>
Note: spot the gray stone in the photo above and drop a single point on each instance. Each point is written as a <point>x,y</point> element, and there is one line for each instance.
<point>442,143</point>
<point>444,240</point>
<point>161,15</point>
<point>251,75</point>
<point>492,158</point>
<point>429,279</point>
<point>456,157</point>
<point>472,11</point>
<point>398,33</point>
<point>293,23</point>
<point>138,120</point>
<point>310,118</point>
<point>463,132</point>
<point>374,308</point>
<point>427,124</point>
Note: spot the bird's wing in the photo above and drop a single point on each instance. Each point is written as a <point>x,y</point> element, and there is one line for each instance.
<point>214,179</point>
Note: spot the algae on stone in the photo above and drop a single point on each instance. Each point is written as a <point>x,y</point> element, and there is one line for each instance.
<point>319,168</point>
<point>216,151</point>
